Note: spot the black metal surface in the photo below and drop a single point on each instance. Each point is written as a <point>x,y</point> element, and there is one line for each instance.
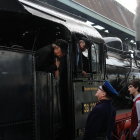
<point>14,20</point>
<point>12,6</point>
<point>17,120</point>
<point>49,115</point>
<point>120,14</point>
<point>84,101</point>
<point>13,11</point>
<point>16,96</point>
<point>44,105</point>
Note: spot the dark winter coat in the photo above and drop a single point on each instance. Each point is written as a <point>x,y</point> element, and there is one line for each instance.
<point>100,121</point>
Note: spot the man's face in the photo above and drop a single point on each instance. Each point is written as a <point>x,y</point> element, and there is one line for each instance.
<point>82,45</point>
<point>100,94</point>
<point>57,51</point>
<point>132,89</point>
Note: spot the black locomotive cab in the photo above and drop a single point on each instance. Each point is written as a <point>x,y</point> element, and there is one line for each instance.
<point>34,104</point>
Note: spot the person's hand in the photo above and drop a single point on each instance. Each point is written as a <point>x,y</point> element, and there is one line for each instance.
<point>56,74</point>
<point>57,63</point>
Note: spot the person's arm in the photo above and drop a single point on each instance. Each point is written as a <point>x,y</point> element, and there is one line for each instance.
<point>56,73</point>
<point>135,133</point>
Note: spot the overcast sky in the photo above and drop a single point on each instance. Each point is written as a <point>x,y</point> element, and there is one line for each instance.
<point>129,4</point>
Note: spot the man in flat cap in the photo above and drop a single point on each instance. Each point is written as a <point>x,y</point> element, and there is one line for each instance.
<point>101,120</point>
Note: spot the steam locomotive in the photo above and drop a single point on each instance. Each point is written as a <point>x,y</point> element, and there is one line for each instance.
<point>32,107</point>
